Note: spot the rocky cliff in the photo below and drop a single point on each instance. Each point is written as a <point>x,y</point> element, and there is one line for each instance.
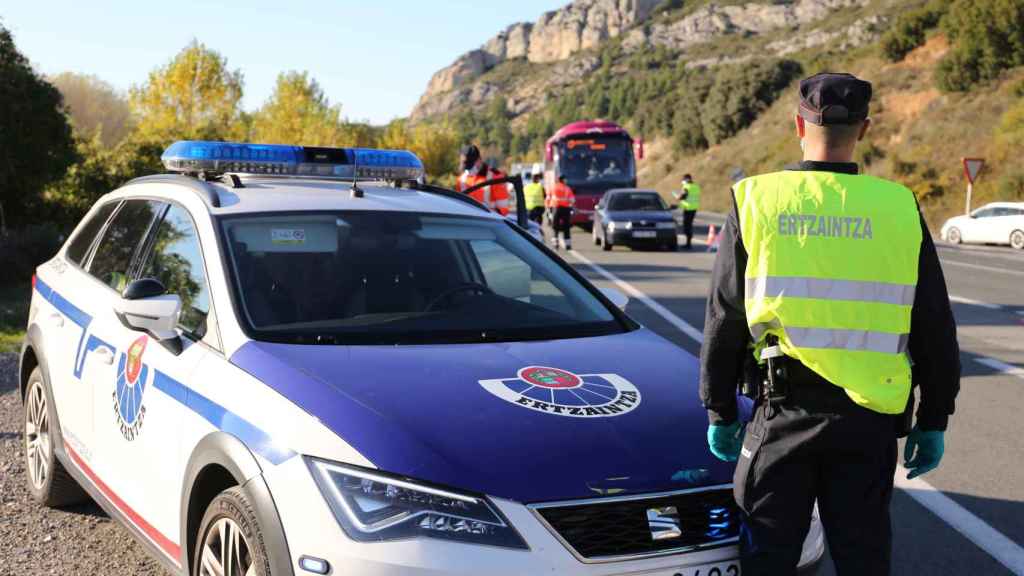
<point>559,46</point>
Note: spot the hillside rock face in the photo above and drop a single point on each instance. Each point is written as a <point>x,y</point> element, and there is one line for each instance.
<point>555,37</point>
<point>558,37</point>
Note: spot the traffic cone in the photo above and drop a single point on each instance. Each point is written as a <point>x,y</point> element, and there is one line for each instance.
<point>713,240</point>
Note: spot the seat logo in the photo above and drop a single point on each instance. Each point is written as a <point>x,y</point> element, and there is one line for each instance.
<point>560,392</point>
<point>664,523</point>
<point>132,376</point>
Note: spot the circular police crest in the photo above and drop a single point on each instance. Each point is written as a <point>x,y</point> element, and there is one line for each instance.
<point>132,374</point>
<point>563,393</point>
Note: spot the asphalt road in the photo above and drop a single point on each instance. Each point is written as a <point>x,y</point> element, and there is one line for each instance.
<point>979,488</point>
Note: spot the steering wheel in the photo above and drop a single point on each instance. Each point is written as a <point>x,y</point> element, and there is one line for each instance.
<point>467,287</point>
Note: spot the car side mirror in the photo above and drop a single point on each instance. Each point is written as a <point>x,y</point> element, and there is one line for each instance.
<point>617,298</point>
<point>146,306</point>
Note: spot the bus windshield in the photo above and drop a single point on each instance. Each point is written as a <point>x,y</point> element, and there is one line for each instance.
<point>595,160</point>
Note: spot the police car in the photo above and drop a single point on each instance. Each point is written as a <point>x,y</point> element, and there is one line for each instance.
<point>285,360</point>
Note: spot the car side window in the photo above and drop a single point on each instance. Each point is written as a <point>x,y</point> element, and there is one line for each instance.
<point>112,259</point>
<point>79,246</point>
<point>176,260</point>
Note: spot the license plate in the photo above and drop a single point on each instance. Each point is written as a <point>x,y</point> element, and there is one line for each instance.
<point>644,234</point>
<point>721,569</point>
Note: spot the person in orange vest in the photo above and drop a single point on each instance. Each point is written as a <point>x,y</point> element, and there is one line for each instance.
<point>475,171</point>
<point>560,201</point>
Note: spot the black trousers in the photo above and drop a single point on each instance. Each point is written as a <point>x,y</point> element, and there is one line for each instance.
<point>816,445</point>
<point>688,216</point>
<point>537,214</point>
<point>563,221</point>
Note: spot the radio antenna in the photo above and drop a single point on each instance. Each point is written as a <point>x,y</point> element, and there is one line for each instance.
<point>357,192</point>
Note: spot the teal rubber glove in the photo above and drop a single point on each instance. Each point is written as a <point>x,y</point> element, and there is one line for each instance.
<point>923,451</point>
<point>726,440</point>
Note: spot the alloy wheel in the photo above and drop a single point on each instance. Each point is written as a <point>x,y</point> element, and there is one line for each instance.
<point>953,236</point>
<point>37,436</point>
<point>225,551</point>
<point>1017,239</point>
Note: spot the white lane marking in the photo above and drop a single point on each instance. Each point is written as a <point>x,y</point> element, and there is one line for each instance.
<point>1002,367</point>
<point>1005,551</point>
<point>962,300</point>
<point>980,267</point>
<point>665,313</point>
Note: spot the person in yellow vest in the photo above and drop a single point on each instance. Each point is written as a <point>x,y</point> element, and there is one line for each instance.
<point>689,203</point>
<point>476,171</point>
<point>535,198</point>
<point>827,283</point>
<point>561,200</point>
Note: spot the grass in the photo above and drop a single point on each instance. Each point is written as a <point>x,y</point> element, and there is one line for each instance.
<point>14,302</point>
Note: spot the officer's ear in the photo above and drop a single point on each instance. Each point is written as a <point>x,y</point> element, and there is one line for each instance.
<point>864,129</point>
<point>801,129</point>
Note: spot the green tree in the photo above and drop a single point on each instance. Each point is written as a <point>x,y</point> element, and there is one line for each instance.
<point>36,144</point>
<point>299,113</point>
<point>740,93</point>
<point>94,107</point>
<point>437,145</point>
<point>910,29</point>
<point>194,97</point>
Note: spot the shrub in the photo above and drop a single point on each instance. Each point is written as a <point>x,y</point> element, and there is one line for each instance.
<point>910,29</point>
<point>22,250</point>
<point>740,93</point>
<point>987,37</point>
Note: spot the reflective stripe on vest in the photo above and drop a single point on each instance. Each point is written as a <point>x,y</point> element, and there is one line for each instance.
<point>832,272</point>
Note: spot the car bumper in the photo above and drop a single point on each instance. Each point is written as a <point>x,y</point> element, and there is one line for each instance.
<point>629,237</point>
<point>312,530</point>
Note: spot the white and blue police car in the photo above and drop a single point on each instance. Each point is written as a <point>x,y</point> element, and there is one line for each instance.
<point>282,360</point>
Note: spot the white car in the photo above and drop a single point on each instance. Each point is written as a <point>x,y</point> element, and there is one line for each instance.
<point>995,223</point>
<point>288,360</point>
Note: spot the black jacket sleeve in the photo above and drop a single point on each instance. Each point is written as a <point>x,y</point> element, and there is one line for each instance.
<point>933,345</point>
<point>726,336</point>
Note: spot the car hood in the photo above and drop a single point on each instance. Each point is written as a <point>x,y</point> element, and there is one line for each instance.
<point>634,215</point>
<point>454,415</point>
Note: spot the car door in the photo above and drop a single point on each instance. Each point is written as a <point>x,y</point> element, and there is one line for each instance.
<point>66,319</point>
<point>976,228</point>
<point>140,402</point>
<point>1002,224</point>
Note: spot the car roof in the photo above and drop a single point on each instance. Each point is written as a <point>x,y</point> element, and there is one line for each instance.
<point>1004,205</point>
<point>274,194</point>
<point>631,191</point>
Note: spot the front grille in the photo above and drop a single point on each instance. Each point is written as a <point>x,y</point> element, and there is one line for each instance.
<point>598,530</point>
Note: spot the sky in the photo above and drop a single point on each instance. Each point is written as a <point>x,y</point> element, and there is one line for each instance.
<point>373,57</point>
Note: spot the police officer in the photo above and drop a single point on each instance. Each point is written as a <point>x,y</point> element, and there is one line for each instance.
<point>476,171</point>
<point>830,282</point>
<point>689,203</point>
<point>535,198</point>
<point>561,200</point>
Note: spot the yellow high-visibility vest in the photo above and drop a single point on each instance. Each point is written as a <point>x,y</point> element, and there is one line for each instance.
<point>692,200</point>
<point>832,272</point>
<point>534,193</point>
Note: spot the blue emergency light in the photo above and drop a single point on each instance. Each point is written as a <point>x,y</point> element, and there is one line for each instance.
<point>195,156</point>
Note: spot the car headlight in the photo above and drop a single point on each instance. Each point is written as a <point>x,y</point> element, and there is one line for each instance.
<point>665,225</point>
<point>612,226</point>
<point>373,507</point>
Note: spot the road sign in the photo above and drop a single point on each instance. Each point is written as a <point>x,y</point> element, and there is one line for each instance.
<point>972,166</point>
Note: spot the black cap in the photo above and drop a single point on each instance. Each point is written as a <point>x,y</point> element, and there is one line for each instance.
<point>470,152</point>
<point>834,98</point>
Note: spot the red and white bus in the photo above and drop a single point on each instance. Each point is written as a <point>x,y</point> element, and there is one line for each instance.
<point>594,156</point>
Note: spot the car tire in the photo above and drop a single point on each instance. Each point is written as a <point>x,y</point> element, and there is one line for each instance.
<point>606,244</point>
<point>953,236</point>
<point>672,246</point>
<point>597,238</point>
<point>48,481</point>
<point>231,518</point>
<point>1017,239</point>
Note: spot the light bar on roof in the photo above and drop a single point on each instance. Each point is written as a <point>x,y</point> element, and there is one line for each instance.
<point>194,156</point>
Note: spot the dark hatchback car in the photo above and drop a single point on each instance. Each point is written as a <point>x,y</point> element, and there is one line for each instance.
<point>635,218</point>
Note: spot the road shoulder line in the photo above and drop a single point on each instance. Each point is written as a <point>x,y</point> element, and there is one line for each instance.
<point>666,314</point>
<point>1000,366</point>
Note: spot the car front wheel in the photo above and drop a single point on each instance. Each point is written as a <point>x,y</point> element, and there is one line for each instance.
<point>953,236</point>
<point>1017,239</point>
<point>48,481</point>
<point>230,537</point>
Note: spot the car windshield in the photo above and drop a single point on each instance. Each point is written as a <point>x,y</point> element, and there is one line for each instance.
<point>636,202</point>
<point>403,278</point>
<point>594,160</point>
